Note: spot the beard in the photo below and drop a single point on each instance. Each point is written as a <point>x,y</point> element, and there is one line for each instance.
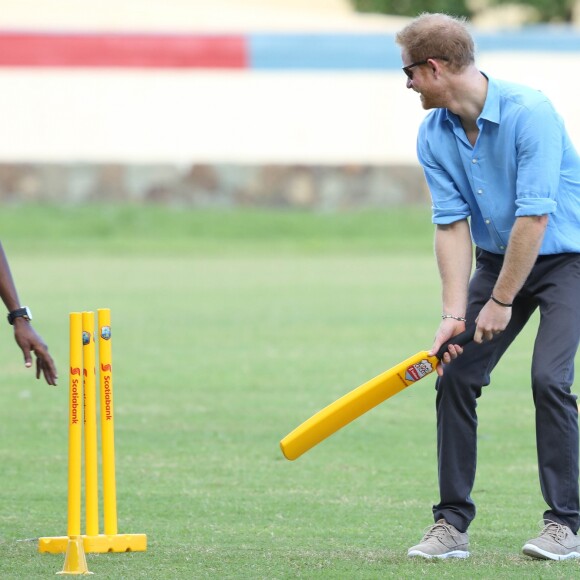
<point>431,102</point>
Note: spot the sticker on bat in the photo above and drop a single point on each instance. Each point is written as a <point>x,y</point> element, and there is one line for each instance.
<point>419,370</point>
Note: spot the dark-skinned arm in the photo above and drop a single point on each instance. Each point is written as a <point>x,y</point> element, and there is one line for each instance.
<point>26,337</point>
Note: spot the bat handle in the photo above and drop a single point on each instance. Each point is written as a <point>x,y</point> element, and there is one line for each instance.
<point>461,339</point>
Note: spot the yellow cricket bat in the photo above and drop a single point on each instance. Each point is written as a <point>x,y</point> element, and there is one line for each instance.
<point>364,398</point>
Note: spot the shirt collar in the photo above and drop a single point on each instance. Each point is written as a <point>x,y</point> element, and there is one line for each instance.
<point>491,111</point>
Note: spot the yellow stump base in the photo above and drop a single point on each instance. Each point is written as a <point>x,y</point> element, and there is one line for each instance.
<point>96,544</point>
<point>75,561</point>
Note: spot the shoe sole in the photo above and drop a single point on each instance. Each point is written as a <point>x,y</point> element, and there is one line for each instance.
<point>535,552</point>
<point>452,554</point>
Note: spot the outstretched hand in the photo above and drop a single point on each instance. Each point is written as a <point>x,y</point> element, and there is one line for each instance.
<point>30,342</point>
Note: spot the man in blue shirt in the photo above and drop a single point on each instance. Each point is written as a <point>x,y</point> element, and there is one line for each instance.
<point>505,177</point>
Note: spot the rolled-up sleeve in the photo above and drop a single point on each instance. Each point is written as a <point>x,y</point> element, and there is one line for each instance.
<point>448,205</point>
<point>539,154</point>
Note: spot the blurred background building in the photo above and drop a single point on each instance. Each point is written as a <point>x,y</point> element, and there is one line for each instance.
<point>224,103</point>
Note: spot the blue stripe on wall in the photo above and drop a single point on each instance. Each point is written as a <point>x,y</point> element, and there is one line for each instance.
<point>533,38</point>
<point>323,52</point>
<point>379,52</point>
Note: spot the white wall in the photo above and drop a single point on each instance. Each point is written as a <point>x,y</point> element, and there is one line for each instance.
<point>207,116</point>
<point>237,117</point>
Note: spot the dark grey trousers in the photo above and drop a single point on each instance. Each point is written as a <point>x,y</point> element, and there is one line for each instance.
<point>554,287</point>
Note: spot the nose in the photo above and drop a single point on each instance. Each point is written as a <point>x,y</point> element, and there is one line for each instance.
<point>409,83</point>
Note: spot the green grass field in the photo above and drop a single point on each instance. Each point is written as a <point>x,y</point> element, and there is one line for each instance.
<point>229,329</point>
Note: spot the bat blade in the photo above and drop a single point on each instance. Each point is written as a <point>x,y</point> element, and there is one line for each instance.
<point>356,403</point>
<point>364,398</point>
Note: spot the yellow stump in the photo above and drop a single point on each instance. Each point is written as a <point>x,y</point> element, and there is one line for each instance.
<point>75,425</point>
<point>75,561</point>
<point>90,422</point>
<point>107,422</point>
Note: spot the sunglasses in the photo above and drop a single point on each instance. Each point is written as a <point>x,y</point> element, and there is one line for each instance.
<point>407,69</point>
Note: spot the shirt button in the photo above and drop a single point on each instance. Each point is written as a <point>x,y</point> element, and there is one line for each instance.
<point>474,161</point>
<point>487,221</point>
<point>502,247</point>
<point>480,191</point>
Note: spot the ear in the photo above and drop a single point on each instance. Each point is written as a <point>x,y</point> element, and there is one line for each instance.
<point>435,66</point>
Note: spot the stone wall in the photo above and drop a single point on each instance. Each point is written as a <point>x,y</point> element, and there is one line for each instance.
<point>326,188</point>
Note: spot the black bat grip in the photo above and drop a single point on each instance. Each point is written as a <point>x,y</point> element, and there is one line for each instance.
<point>461,339</point>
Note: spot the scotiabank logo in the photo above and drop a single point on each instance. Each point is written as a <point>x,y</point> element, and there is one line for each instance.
<point>74,404</point>
<point>107,392</point>
<point>75,371</point>
<point>418,370</point>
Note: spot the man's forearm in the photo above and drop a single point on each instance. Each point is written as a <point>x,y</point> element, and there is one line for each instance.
<point>454,252</point>
<point>521,255</point>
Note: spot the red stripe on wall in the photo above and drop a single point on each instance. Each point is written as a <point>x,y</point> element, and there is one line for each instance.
<point>122,50</point>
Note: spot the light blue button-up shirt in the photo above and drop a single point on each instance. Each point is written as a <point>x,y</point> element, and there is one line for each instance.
<point>523,164</point>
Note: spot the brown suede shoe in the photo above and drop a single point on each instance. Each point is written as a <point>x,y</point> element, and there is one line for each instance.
<point>555,542</point>
<point>442,540</point>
